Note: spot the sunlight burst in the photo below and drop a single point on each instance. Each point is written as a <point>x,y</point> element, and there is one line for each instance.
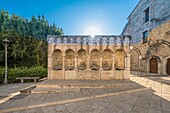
<point>93,31</point>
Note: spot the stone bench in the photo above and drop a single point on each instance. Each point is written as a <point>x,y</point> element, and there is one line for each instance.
<point>27,78</point>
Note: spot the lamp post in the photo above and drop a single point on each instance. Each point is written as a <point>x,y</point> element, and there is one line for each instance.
<point>6,43</point>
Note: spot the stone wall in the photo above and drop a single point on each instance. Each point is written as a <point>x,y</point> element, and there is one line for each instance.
<point>158,47</point>
<point>159,12</point>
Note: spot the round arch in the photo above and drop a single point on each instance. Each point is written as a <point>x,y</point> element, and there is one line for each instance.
<point>160,48</point>
<point>119,59</point>
<point>57,59</point>
<point>166,64</point>
<point>69,59</point>
<point>81,59</point>
<point>107,59</point>
<point>95,59</point>
<point>153,63</point>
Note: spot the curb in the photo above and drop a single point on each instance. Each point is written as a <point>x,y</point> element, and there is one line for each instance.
<point>27,89</point>
<point>22,91</point>
<point>71,100</point>
<point>9,97</point>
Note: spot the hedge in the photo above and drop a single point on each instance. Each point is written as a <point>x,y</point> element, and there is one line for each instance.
<point>23,72</point>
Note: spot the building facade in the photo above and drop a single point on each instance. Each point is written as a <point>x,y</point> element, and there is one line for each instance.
<point>149,26</point>
<point>89,58</point>
<point>147,15</point>
<point>153,57</point>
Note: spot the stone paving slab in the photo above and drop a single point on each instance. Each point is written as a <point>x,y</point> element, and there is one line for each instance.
<point>125,103</point>
<point>155,100</point>
<point>32,104</point>
<point>83,94</point>
<point>7,89</point>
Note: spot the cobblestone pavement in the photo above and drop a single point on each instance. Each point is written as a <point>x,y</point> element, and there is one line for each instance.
<point>155,99</point>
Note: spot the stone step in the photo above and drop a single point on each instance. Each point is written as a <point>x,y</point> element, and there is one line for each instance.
<point>82,83</point>
<point>75,86</point>
<point>53,90</point>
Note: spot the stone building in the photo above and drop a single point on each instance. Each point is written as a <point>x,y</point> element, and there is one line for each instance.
<point>89,58</point>
<point>147,15</point>
<point>154,56</point>
<point>149,27</point>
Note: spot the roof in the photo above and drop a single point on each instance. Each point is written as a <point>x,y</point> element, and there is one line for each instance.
<point>134,9</point>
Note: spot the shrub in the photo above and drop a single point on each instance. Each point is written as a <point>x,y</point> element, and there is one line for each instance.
<point>2,72</point>
<point>23,72</point>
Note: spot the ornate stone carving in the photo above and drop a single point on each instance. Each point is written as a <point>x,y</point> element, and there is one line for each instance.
<point>82,57</point>
<point>118,40</point>
<point>51,39</point>
<point>104,40</point>
<point>78,39</point>
<point>111,40</point>
<point>58,41</point>
<point>65,40</point>
<point>88,40</point>
<point>71,40</point>
<point>126,40</point>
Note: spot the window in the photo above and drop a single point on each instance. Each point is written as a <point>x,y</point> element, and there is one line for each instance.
<point>146,14</point>
<point>145,36</point>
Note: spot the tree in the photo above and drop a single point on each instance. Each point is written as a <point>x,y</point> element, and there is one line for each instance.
<point>28,45</point>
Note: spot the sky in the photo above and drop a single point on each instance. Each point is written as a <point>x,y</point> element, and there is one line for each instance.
<point>76,17</point>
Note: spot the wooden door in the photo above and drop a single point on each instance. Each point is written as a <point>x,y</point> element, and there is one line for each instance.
<point>153,65</point>
<point>168,66</point>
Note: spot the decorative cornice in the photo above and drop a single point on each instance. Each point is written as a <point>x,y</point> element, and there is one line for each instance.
<point>88,40</point>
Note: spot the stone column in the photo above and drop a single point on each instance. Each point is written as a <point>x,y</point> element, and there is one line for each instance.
<point>88,61</point>
<point>127,67</point>
<point>63,69</point>
<point>51,48</point>
<point>75,62</point>
<point>113,62</point>
<point>139,67</point>
<point>128,62</point>
<point>101,66</point>
<point>161,66</point>
<point>147,67</point>
<point>50,67</point>
<point>101,62</point>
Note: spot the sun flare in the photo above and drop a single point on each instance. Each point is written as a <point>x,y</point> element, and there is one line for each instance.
<point>93,31</point>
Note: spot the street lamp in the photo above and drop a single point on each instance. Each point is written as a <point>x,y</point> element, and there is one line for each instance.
<point>131,47</point>
<point>6,43</point>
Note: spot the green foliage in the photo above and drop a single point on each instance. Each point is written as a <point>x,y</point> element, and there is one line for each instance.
<point>35,27</point>
<point>28,46</point>
<point>2,71</point>
<point>23,72</point>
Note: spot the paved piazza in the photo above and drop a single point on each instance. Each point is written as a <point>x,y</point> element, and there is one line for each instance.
<point>145,95</point>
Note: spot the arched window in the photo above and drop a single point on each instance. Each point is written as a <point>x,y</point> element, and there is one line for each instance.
<point>69,60</point>
<point>107,59</point>
<point>57,60</point>
<point>81,60</point>
<point>119,60</point>
<point>134,60</point>
<point>95,60</point>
